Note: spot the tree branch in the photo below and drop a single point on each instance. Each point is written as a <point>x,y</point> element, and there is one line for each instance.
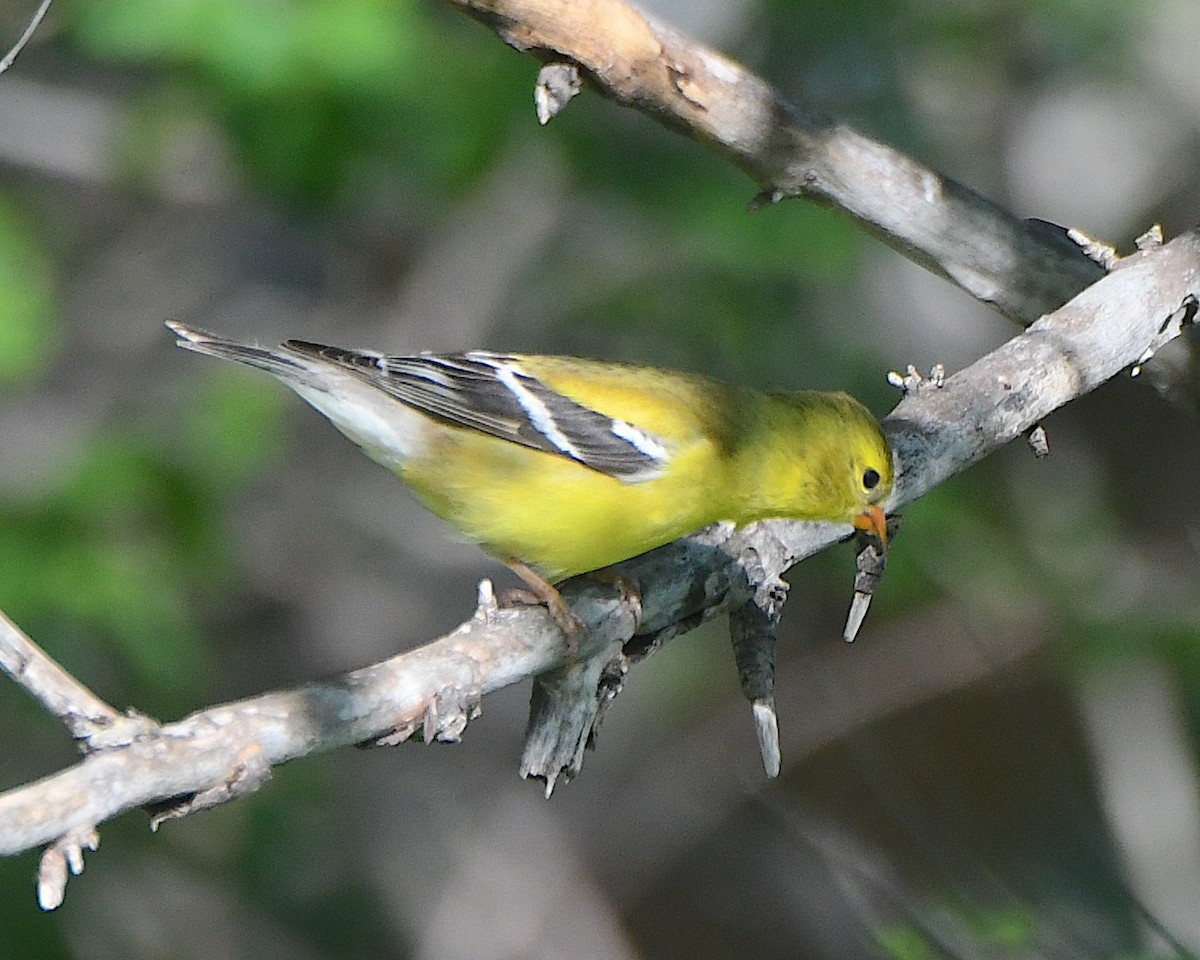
<point>1024,268</point>
<point>228,750</point>
<point>90,720</point>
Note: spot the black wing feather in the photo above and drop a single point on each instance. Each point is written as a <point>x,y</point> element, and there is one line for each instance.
<point>470,390</point>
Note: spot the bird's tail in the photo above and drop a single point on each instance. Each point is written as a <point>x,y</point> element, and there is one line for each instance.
<point>273,361</point>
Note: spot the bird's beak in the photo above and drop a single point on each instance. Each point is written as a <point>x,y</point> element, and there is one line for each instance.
<point>873,521</point>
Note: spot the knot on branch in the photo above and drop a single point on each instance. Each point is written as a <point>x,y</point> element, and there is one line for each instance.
<point>61,859</point>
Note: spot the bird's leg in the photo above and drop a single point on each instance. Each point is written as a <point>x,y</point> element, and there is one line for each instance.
<point>541,591</point>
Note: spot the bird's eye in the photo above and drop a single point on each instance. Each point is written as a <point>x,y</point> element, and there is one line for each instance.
<point>870,479</point>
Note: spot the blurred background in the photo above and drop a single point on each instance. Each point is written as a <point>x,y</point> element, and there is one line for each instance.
<point>1004,765</point>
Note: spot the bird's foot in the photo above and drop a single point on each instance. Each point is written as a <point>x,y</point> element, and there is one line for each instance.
<point>541,592</point>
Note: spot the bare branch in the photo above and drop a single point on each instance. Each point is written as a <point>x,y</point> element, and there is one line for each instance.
<point>1147,300</point>
<point>25,37</point>
<point>89,719</point>
<point>226,750</point>
<point>1024,268</point>
<point>435,689</point>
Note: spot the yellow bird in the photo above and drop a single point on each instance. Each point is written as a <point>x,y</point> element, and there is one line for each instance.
<point>559,466</point>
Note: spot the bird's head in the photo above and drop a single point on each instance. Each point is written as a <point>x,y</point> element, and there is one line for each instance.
<point>871,480</point>
<point>835,463</point>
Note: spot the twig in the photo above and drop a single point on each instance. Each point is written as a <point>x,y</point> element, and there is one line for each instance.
<point>25,37</point>
<point>89,719</point>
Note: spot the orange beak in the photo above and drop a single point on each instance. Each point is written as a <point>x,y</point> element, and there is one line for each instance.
<point>873,521</point>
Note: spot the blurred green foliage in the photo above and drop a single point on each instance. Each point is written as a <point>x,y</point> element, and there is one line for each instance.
<point>313,94</point>
<point>113,550</point>
<point>30,325</point>
<point>117,547</point>
<point>29,932</point>
<point>1010,930</point>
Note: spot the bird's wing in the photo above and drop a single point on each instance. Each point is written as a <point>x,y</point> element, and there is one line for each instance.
<point>493,394</point>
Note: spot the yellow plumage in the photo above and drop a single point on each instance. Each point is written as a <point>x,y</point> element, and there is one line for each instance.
<point>569,465</point>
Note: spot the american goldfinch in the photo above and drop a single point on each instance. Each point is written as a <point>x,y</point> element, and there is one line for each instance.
<point>559,466</point>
